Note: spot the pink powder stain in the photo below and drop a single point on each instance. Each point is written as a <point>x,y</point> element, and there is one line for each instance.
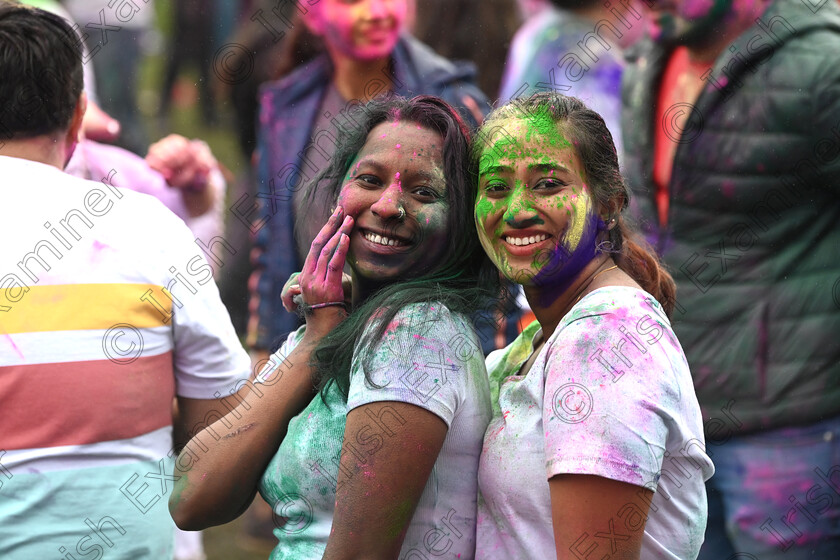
<point>12,342</point>
<point>203,476</point>
<point>398,147</point>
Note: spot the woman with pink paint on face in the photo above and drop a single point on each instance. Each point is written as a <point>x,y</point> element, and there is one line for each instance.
<point>364,430</point>
<point>596,447</point>
<point>338,53</point>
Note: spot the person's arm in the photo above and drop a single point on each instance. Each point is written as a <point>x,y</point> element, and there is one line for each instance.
<point>595,515</point>
<point>605,435</point>
<point>220,467</point>
<point>378,492</point>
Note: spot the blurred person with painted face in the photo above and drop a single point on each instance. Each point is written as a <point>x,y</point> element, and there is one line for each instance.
<point>731,116</point>
<point>574,47</point>
<point>344,53</point>
<point>595,448</point>
<point>365,428</point>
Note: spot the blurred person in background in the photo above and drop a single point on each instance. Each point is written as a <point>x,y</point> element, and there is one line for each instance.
<point>115,34</point>
<point>259,43</point>
<point>192,41</point>
<point>732,136</point>
<point>460,34</point>
<point>183,174</point>
<point>575,48</point>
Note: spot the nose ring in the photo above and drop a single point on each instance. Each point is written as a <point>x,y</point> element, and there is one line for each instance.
<point>402,213</point>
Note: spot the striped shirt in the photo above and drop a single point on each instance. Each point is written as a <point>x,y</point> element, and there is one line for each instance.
<point>108,310</point>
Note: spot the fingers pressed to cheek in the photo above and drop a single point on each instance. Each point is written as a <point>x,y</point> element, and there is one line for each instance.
<point>336,267</point>
<point>327,253</point>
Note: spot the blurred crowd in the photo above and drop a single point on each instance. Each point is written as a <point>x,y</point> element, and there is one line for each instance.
<point>725,115</point>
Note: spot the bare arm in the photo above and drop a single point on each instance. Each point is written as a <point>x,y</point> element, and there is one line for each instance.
<point>220,467</point>
<point>596,516</point>
<point>379,487</point>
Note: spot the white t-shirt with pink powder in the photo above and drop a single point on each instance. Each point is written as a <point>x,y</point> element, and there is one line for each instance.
<point>610,394</point>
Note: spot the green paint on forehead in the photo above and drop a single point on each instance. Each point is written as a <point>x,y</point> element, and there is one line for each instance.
<point>540,121</point>
<point>507,136</point>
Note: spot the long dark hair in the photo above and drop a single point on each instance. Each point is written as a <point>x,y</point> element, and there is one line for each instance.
<point>596,150</point>
<point>464,281</point>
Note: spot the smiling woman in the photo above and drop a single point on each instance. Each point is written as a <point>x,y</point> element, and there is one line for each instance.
<point>587,405</point>
<point>367,435</point>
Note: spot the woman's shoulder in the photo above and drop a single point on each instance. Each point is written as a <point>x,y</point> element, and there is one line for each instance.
<point>428,317</point>
<point>618,303</point>
<point>428,322</point>
<point>614,312</point>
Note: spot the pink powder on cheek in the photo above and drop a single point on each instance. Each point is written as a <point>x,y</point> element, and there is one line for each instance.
<point>399,146</point>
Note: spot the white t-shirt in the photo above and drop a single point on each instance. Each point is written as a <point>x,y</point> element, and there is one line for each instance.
<point>610,394</point>
<point>428,357</point>
<point>108,310</point>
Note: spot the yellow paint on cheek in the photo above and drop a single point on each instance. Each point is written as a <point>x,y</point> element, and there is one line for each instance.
<point>581,205</point>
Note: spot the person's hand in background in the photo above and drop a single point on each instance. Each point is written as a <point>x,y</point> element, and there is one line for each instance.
<point>187,165</point>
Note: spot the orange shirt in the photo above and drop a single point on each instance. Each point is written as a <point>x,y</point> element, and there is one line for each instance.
<point>680,87</point>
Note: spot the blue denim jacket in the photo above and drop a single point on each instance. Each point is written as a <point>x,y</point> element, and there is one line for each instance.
<point>288,112</point>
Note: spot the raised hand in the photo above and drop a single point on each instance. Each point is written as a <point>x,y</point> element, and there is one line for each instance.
<point>320,280</point>
<point>185,164</point>
<point>290,294</point>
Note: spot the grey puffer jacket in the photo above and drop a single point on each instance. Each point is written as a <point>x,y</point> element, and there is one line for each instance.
<point>753,230</point>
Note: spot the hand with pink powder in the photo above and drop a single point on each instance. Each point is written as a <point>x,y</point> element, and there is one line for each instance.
<point>320,281</point>
<point>291,297</point>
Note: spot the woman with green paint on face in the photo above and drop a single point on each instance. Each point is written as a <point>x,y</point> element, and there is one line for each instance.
<point>596,447</point>
<point>364,430</point>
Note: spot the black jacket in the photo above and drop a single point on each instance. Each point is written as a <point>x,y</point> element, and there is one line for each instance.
<point>753,230</point>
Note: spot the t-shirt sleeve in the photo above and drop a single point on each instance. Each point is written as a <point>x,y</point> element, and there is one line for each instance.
<point>208,357</point>
<point>276,360</point>
<point>609,391</point>
<point>419,360</point>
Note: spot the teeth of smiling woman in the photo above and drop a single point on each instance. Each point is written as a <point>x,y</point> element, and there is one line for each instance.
<point>381,240</point>
<point>520,241</point>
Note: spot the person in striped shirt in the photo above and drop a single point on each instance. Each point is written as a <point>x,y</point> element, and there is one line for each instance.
<point>108,316</point>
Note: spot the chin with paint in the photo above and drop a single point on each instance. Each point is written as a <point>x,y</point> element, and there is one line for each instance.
<point>596,412</point>
<point>364,430</point>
